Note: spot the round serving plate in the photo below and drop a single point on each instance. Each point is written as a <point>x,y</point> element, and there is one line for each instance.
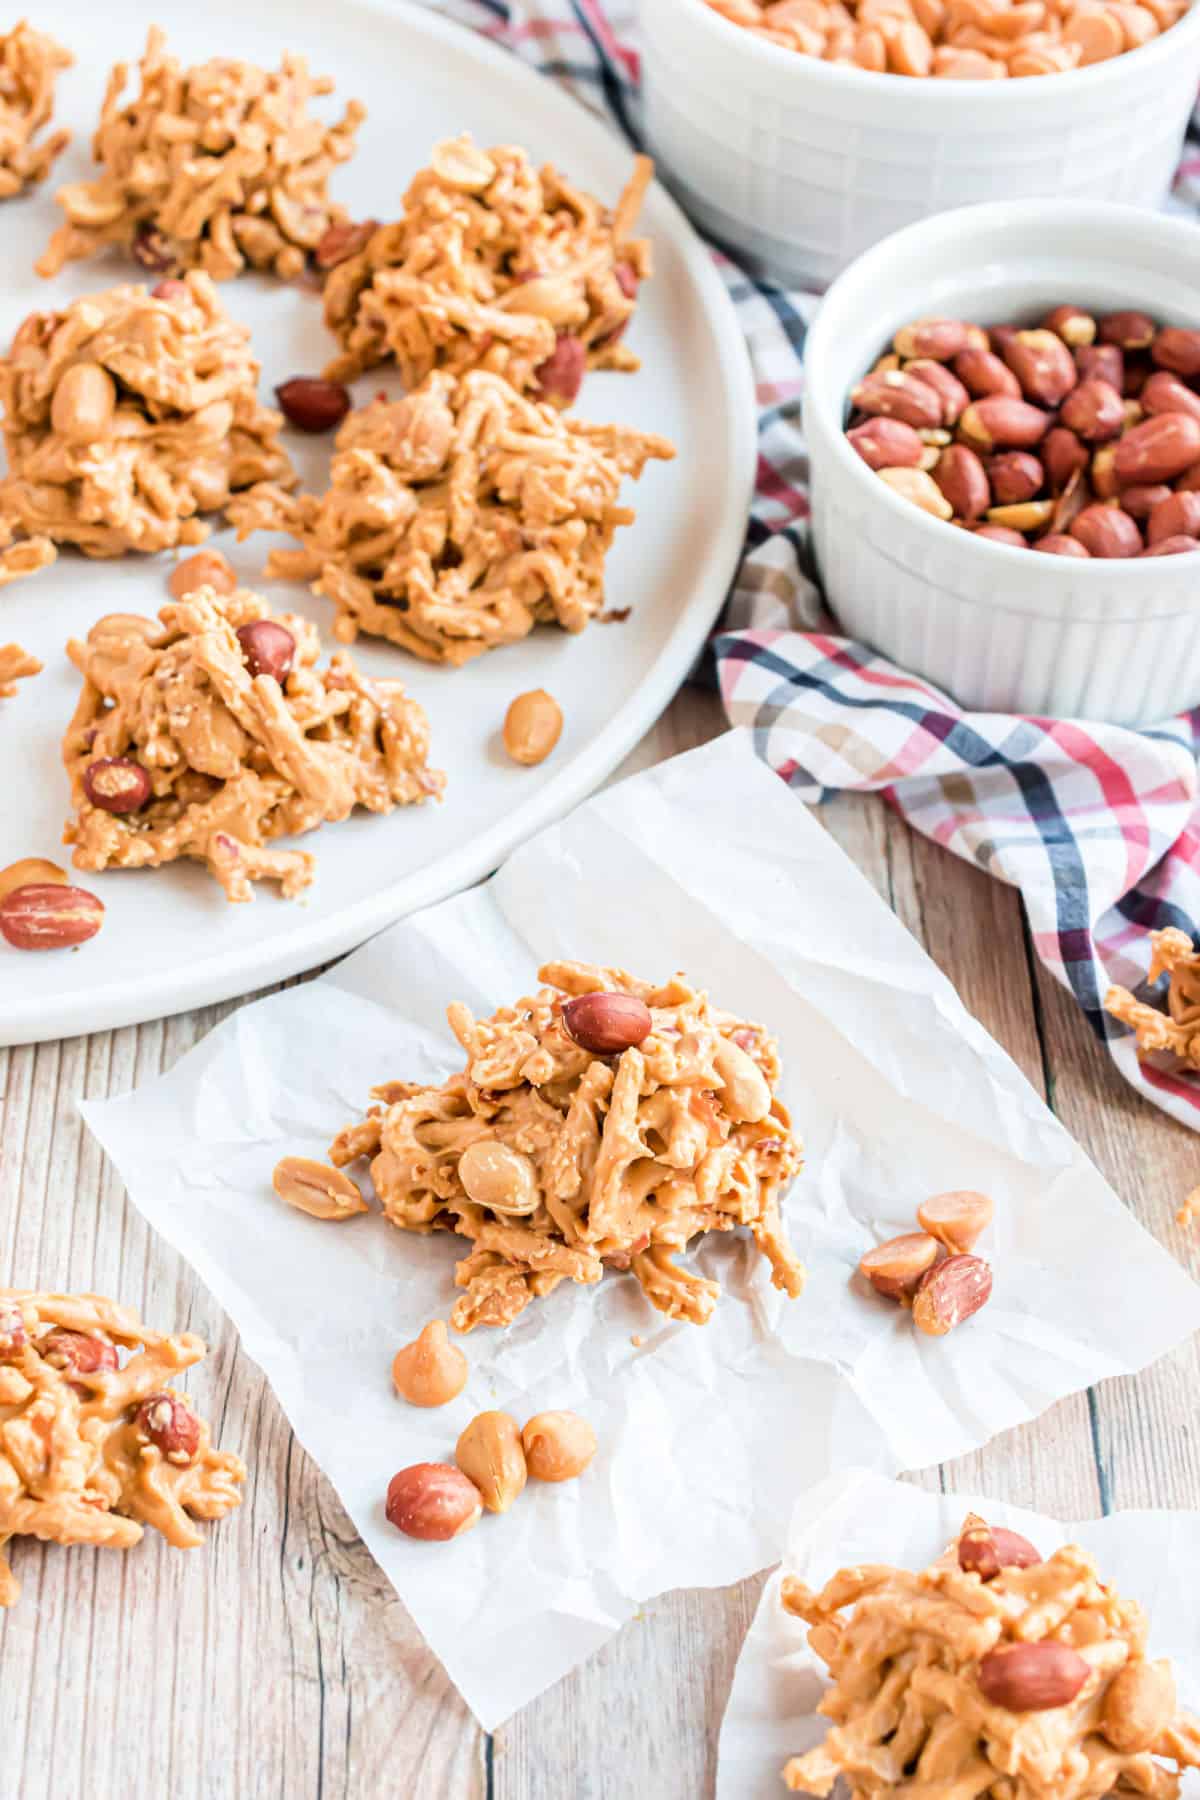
<point>170,939</point>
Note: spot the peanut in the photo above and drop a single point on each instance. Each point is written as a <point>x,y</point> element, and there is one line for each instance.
<point>1139,1704</point>
<point>498,1177</point>
<point>895,1269</point>
<point>1002,534</point>
<point>1057,543</point>
<point>1176,516</point>
<point>1094,410</point>
<point>1102,362</point>
<point>898,395</point>
<point>532,727</point>
<point>208,568</point>
<point>1107,531</point>
<point>433,1502</point>
<point>1015,476</point>
<point>984,1550</point>
<point>1128,330</point>
<point>84,403</point>
<point>919,488</point>
<point>49,916</point>
<point>1032,1677</point>
<point>960,476</point>
<point>1043,365</point>
<point>1165,393</point>
<point>949,389</point>
<point>983,373</point>
<point>490,1454</point>
<point>1074,326</point>
<point>951,1292</point>
<point>1062,454</point>
<point>1159,449</point>
<point>886,444</point>
<point>606,1024</point>
<point>1002,423</point>
<point>956,1219</point>
<point>1177,350</point>
<point>311,403</point>
<point>1172,546</point>
<point>317,1189</point>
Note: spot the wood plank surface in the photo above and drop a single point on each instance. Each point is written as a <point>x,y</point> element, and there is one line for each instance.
<point>277,1661</point>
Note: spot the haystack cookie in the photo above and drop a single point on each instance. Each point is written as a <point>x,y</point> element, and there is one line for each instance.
<point>993,1675</point>
<point>601,1122</point>
<point>91,1449</point>
<point>458,518</point>
<point>217,167</point>
<point>212,731</point>
<point>495,265</point>
<point>127,416</point>
<point>30,64</point>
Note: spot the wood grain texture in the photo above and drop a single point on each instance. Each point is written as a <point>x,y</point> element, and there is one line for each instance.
<point>277,1661</point>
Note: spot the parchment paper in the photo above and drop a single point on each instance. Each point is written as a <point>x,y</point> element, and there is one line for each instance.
<point>706,864</point>
<point>1151,1557</point>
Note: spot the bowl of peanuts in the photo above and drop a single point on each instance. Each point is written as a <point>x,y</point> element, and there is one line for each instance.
<point>1002,408</point>
<point>800,132</point>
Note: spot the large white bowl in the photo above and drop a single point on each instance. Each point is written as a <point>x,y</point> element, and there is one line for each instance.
<point>1001,629</point>
<point>798,165</point>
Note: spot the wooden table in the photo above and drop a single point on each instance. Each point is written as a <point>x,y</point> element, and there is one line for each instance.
<point>278,1661</point>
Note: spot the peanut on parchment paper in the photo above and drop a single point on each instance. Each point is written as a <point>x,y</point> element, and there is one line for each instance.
<point>219,167</point>
<point>993,1673</point>
<point>94,1442</point>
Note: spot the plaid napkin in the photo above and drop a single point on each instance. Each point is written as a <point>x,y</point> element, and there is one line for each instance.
<point>1098,826</point>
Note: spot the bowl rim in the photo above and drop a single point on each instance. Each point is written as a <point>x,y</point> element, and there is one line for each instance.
<point>774,59</point>
<point>1015,216</point>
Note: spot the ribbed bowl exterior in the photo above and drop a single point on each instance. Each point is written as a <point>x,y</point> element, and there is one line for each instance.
<point>1001,629</point>
<point>798,165</point>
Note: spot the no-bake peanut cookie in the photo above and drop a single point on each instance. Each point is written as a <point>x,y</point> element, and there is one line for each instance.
<point>1177,1030</point>
<point>15,665</point>
<point>603,1121</point>
<point>213,731</point>
<point>215,168</point>
<point>127,416</point>
<point>494,265</point>
<point>991,1675</point>
<point>458,518</point>
<point>30,64</point>
<point>90,1450</point>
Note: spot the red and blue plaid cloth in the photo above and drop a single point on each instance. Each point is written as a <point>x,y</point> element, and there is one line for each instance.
<point>1098,827</point>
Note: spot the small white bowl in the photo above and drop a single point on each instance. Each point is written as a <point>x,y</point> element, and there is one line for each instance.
<point>1002,629</point>
<point>798,165</point>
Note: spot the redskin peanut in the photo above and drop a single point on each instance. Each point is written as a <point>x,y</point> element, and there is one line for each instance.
<point>950,1293</point>
<point>938,338</point>
<point>983,373</point>
<point>1173,546</point>
<point>1140,502</point>
<point>1058,543</point>
<point>606,1024</point>
<point>1177,350</point>
<point>49,916</point>
<point>1176,516</point>
<point>1074,326</point>
<point>949,389</point>
<point>1128,330</point>
<point>1002,423</point>
<point>961,476</point>
<point>1062,453</point>
<point>984,1550</point>
<point>1002,534</point>
<point>1094,410</point>
<point>897,395</point>
<point>1015,476</point>
<point>1043,365</point>
<point>887,444</point>
<point>1032,1677</point>
<point>1107,531</point>
<point>1159,449</point>
<point>1165,393</point>
<point>1102,362</point>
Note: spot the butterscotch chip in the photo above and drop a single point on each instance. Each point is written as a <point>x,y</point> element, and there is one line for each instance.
<point>980,1667</point>
<point>493,264</point>
<point>229,756</point>
<point>127,418</point>
<point>30,64</point>
<point>557,1160</point>
<point>217,167</point>
<point>90,1450</point>
<point>458,518</point>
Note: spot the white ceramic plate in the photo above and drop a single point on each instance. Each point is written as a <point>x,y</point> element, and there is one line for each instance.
<point>170,940</point>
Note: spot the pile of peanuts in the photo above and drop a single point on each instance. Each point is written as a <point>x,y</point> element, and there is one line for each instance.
<point>959,40</point>
<point>1077,437</point>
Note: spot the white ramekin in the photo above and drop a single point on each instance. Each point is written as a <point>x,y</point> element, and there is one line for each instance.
<point>1001,629</point>
<point>798,165</point>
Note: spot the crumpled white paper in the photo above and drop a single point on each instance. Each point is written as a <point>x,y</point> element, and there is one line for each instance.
<point>707,864</point>
<point>1150,1557</point>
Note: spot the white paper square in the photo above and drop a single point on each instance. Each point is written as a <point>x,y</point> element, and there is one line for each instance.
<point>708,864</point>
<point>1150,1557</point>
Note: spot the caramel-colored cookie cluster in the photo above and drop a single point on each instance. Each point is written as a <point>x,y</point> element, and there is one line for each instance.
<point>991,1675</point>
<point>1177,1030</point>
<point>30,64</point>
<point>219,167</point>
<point>601,1122</point>
<point>129,415</point>
<point>494,265</point>
<point>212,732</point>
<point>958,40</point>
<point>458,518</point>
<point>93,1449</point>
